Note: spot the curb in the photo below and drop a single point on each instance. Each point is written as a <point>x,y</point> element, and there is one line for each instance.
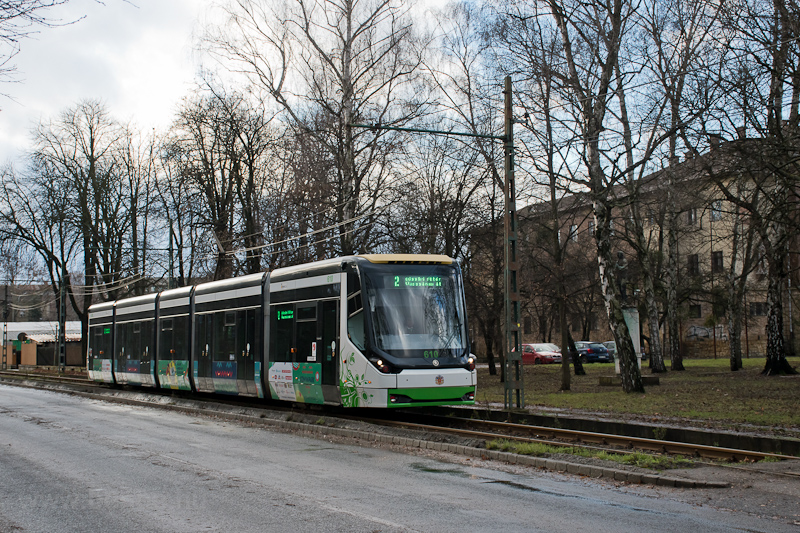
<point>597,472</point>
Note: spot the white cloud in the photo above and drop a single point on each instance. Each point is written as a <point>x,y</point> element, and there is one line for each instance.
<point>136,56</point>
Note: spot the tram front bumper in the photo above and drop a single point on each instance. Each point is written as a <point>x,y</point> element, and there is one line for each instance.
<point>450,386</point>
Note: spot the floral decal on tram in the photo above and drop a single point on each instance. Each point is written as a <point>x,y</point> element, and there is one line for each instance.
<point>352,386</point>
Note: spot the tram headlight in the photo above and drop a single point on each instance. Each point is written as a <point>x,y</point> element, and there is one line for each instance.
<point>471,362</point>
<point>382,365</point>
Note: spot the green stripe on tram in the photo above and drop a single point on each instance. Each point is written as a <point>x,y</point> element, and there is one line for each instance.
<point>431,396</point>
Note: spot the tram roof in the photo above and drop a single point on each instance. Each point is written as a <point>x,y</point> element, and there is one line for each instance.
<point>408,259</point>
<point>249,280</point>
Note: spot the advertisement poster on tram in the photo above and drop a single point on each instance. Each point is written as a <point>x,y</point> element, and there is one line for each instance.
<point>296,382</point>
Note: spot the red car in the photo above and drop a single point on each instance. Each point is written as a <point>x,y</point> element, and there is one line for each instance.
<point>540,353</point>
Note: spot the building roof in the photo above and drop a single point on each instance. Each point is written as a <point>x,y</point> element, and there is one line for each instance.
<point>45,338</point>
<point>46,328</point>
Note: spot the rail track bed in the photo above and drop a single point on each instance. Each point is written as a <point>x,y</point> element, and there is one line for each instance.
<point>489,425</point>
<point>466,424</point>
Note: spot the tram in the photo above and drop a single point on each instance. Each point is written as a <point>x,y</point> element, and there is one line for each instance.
<point>358,331</point>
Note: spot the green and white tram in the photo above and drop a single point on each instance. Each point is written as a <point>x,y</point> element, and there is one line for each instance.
<point>357,331</point>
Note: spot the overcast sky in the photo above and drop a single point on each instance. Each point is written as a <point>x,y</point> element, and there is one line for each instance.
<point>136,56</point>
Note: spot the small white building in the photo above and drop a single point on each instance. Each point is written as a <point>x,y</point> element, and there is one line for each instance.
<point>36,343</point>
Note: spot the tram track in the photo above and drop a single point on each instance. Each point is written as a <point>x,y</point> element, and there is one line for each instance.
<point>620,444</point>
<point>46,377</point>
<point>468,427</point>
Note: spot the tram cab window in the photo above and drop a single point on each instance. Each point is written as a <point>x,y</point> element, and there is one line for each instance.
<point>355,311</point>
<point>355,329</point>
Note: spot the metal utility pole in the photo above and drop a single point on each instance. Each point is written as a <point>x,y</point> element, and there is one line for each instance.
<point>514,384</point>
<point>5,332</point>
<point>62,322</point>
<point>171,283</point>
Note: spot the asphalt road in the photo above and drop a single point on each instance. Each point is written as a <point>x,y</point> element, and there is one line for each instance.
<point>72,464</point>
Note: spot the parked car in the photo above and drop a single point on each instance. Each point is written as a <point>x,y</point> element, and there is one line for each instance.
<point>592,352</point>
<point>611,346</point>
<point>549,348</point>
<point>540,353</point>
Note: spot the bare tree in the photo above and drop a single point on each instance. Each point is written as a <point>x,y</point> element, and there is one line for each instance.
<point>437,200</point>
<point>75,205</point>
<point>352,62</point>
<point>204,144</point>
<point>758,90</point>
<point>18,20</point>
<point>469,103</point>
<point>532,47</point>
<point>591,40</point>
<point>34,216</point>
<point>180,206</point>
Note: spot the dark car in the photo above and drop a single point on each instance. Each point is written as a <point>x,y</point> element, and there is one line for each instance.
<point>592,352</point>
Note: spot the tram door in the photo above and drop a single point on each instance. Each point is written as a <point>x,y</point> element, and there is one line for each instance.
<point>329,341</point>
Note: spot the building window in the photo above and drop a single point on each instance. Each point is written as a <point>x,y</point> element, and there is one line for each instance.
<point>716,210</point>
<point>695,311</point>
<point>693,265</point>
<point>758,308</point>
<point>716,262</point>
<point>691,216</point>
<point>573,232</point>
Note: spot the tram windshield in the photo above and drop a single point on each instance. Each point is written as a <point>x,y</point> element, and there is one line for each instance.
<point>416,310</point>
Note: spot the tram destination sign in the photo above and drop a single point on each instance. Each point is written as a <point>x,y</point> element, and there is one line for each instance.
<point>403,282</point>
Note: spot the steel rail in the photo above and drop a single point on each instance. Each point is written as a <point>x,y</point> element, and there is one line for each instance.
<point>505,430</point>
<point>35,376</point>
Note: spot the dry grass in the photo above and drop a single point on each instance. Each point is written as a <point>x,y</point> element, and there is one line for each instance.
<point>706,390</point>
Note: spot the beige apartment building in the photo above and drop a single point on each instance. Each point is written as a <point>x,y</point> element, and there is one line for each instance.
<point>714,246</point>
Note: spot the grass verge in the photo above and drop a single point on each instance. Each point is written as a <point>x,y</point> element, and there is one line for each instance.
<point>643,460</point>
<point>706,391</point>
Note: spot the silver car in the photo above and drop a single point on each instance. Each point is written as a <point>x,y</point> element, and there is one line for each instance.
<point>611,346</point>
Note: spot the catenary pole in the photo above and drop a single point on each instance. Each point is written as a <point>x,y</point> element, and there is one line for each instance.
<point>5,331</point>
<point>62,322</point>
<point>514,384</point>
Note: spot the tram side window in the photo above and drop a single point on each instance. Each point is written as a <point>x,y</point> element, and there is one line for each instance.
<point>121,347</point>
<point>306,331</point>
<point>180,338</point>
<point>224,336</point>
<point>229,342</point>
<point>254,331</point>
<point>101,342</point>
<point>282,333</point>
<point>130,342</point>
<point>146,340</point>
<point>166,340</point>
